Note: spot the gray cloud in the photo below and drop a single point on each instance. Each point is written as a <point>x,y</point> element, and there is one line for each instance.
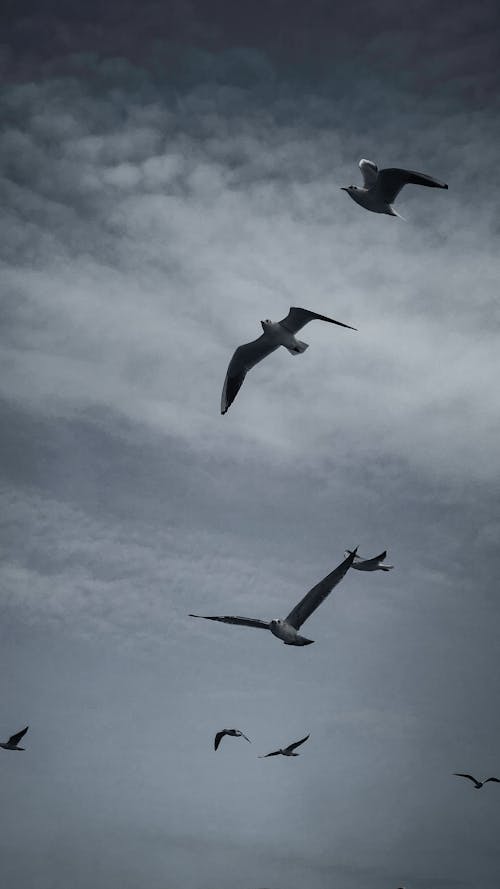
<point>147,224</point>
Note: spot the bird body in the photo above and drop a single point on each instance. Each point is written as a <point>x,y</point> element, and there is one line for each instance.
<point>286,629</point>
<point>233,732</point>
<point>12,743</point>
<point>381,187</point>
<point>372,564</point>
<point>477,783</point>
<point>274,335</point>
<point>286,751</point>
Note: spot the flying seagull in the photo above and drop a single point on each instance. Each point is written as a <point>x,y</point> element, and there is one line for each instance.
<point>381,187</point>
<point>286,629</point>
<point>234,732</point>
<point>13,741</point>
<point>370,564</point>
<point>276,333</point>
<point>477,784</point>
<point>286,751</point>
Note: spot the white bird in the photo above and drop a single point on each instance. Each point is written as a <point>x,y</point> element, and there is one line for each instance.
<point>276,333</point>
<point>370,564</point>
<point>477,784</point>
<point>286,751</point>
<point>381,187</point>
<point>13,741</point>
<point>286,629</point>
<point>234,732</point>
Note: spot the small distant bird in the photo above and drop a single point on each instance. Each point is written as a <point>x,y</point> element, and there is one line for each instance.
<point>286,630</point>
<point>276,333</point>
<point>286,751</point>
<point>370,564</point>
<point>477,784</point>
<point>13,741</point>
<point>234,732</point>
<point>381,187</point>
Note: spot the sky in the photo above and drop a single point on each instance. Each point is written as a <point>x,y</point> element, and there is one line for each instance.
<point>169,175</point>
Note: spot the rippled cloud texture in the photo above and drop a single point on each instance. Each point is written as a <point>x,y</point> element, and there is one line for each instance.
<point>168,179</point>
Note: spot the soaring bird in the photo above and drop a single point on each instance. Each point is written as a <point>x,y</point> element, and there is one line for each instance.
<point>276,333</point>
<point>372,564</point>
<point>286,751</point>
<point>477,784</point>
<point>381,187</point>
<point>286,629</point>
<point>13,741</point>
<point>234,732</point>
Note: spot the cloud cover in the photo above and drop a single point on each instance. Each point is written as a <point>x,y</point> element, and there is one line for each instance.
<point>154,208</point>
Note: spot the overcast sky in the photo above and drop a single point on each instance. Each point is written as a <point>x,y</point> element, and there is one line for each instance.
<point>170,175</point>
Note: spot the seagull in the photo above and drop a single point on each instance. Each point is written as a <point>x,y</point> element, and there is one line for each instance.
<point>477,784</point>
<point>370,564</point>
<point>234,732</point>
<point>276,333</point>
<point>381,187</point>
<point>286,629</point>
<point>13,741</point>
<point>286,751</point>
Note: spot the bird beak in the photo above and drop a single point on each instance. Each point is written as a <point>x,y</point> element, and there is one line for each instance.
<point>342,188</point>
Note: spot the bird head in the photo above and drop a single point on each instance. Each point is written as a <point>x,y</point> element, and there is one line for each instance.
<point>265,324</point>
<point>349,188</point>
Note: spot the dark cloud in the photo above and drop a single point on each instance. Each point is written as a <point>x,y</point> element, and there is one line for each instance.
<point>169,177</point>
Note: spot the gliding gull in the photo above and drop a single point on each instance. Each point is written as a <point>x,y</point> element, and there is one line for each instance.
<point>372,564</point>
<point>286,751</point>
<point>477,784</point>
<point>381,187</point>
<point>276,333</point>
<point>286,629</point>
<point>234,732</point>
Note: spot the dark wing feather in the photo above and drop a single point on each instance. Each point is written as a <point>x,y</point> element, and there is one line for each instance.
<point>274,753</point>
<point>244,358</point>
<point>315,597</point>
<point>374,561</point>
<point>218,738</point>
<point>464,775</point>
<point>298,318</point>
<point>239,621</point>
<point>496,780</point>
<point>297,743</point>
<point>14,739</point>
<point>391,181</point>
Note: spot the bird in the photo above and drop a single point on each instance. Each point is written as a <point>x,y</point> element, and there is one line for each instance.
<point>370,564</point>
<point>381,187</point>
<point>286,629</point>
<point>286,751</point>
<point>275,334</point>
<point>234,732</point>
<point>13,741</point>
<point>477,784</point>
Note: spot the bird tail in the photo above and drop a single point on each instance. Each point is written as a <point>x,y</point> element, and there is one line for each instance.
<point>297,348</point>
<point>395,213</point>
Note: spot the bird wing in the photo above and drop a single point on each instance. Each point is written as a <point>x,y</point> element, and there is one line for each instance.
<point>496,780</point>
<point>239,621</point>
<point>274,753</point>
<point>218,738</point>
<point>297,743</point>
<point>369,171</point>
<point>391,181</point>
<point>463,775</point>
<point>244,358</point>
<point>297,319</point>
<point>14,739</point>
<point>315,597</point>
<point>245,737</point>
